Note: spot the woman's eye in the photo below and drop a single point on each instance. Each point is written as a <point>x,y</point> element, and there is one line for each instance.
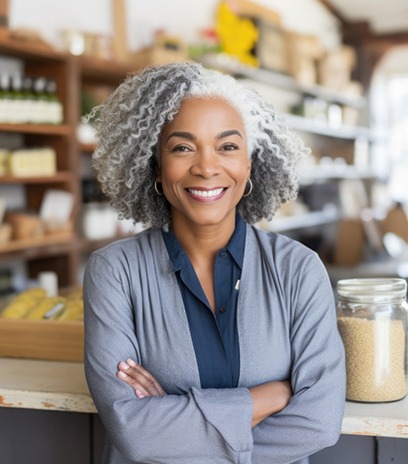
<point>181,148</point>
<point>229,147</point>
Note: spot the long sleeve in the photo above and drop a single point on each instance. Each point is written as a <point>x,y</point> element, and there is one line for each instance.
<point>312,420</point>
<point>199,426</point>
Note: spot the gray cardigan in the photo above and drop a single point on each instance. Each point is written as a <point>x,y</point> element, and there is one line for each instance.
<point>287,330</point>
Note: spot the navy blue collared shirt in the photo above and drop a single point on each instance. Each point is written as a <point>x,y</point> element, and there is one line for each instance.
<point>215,337</point>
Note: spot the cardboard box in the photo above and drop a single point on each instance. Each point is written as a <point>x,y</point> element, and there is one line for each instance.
<point>271,49</point>
<point>335,68</point>
<point>303,52</point>
<point>396,222</point>
<point>254,10</point>
<point>349,247</point>
<point>40,339</point>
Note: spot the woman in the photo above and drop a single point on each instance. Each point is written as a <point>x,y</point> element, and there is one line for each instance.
<point>206,340</point>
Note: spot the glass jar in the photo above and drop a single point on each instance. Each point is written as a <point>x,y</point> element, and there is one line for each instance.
<point>372,321</point>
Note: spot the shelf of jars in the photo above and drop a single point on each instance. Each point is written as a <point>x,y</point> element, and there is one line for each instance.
<point>228,64</point>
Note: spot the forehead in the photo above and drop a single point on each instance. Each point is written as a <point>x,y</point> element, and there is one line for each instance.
<point>208,110</point>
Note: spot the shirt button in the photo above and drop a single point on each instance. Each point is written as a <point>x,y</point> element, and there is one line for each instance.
<point>222,309</point>
<point>223,254</point>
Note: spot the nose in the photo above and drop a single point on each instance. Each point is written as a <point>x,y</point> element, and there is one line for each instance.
<point>206,163</point>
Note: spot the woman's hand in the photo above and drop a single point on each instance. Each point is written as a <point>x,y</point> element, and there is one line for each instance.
<point>142,382</point>
<point>269,398</point>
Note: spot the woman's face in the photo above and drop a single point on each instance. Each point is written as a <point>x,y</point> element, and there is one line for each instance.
<point>204,162</point>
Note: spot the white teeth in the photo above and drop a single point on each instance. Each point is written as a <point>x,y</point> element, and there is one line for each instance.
<point>206,193</point>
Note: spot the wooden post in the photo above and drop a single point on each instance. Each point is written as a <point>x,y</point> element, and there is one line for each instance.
<point>120,30</point>
<point>4,17</point>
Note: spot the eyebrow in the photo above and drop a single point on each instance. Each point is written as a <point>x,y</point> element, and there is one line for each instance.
<point>184,135</point>
<point>227,133</point>
<point>189,136</point>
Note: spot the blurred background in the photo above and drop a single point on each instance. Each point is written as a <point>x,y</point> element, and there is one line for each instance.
<point>337,70</point>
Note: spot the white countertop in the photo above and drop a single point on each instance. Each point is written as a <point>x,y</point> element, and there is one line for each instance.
<point>61,386</point>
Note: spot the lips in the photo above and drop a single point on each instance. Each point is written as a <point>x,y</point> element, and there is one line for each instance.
<point>205,195</point>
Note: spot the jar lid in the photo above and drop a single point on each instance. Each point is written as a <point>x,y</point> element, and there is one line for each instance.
<point>374,290</point>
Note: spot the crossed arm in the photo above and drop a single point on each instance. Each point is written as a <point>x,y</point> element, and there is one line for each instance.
<point>268,398</point>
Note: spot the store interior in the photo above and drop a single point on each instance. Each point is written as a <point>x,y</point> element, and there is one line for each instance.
<point>336,70</point>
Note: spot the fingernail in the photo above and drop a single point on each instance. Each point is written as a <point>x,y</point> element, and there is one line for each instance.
<point>122,374</point>
<point>131,362</point>
<point>123,365</point>
<point>139,394</point>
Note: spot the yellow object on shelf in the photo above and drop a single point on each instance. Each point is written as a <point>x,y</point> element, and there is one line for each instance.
<point>30,328</point>
<point>23,303</point>
<point>237,35</point>
<point>41,310</point>
<point>32,162</point>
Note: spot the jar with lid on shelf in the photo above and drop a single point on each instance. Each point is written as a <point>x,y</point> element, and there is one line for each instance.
<point>372,321</point>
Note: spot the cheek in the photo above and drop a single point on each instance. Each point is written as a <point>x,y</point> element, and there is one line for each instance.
<point>170,172</point>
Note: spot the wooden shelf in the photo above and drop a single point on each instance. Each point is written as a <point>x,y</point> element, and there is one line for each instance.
<point>87,148</point>
<point>104,72</point>
<point>29,51</point>
<point>59,177</point>
<point>42,246</point>
<point>228,64</point>
<point>40,129</point>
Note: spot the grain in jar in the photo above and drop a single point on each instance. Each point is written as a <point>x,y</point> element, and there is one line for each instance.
<point>372,321</point>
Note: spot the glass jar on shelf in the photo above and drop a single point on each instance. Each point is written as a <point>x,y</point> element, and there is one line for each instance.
<point>372,321</point>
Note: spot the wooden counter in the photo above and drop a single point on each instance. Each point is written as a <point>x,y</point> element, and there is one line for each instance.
<point>61,386</point>
<point>47,385</point>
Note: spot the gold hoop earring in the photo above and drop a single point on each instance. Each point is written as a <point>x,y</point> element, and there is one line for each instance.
<point>251,186</point>
<point>157,189</point>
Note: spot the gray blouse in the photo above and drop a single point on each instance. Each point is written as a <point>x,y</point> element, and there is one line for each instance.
<point>287,330</point>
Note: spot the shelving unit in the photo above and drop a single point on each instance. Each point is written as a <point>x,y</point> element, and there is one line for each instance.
<point>315,126</point>
<point>229,65</point>
<point>59,252</point>
<point>301,221</point>
<point>328,139</point>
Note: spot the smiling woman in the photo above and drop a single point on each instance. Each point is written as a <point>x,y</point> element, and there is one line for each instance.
<point>204,165</point>
<point>203,326</point>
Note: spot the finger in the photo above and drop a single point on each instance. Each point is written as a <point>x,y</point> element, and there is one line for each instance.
<point>139,378</point>
<point>153,386</point>
<point>133,378</point>
<point>131,383</point>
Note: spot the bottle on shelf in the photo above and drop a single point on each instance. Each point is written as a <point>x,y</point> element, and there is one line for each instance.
<point>5,98</point>
<point>40,103</point>
<point>54,106</point>
<point>29,99</point>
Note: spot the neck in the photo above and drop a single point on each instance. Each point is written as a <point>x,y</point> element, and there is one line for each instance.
<point>201,242</point>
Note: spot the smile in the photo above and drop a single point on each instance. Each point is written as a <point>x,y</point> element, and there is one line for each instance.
<point>206,193</point>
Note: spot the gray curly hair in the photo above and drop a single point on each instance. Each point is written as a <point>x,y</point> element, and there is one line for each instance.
<point>128,128</point>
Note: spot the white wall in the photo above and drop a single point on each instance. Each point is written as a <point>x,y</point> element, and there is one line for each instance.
<point>181,17</point>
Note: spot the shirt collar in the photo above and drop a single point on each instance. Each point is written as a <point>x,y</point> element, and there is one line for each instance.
<point>235,246</point>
